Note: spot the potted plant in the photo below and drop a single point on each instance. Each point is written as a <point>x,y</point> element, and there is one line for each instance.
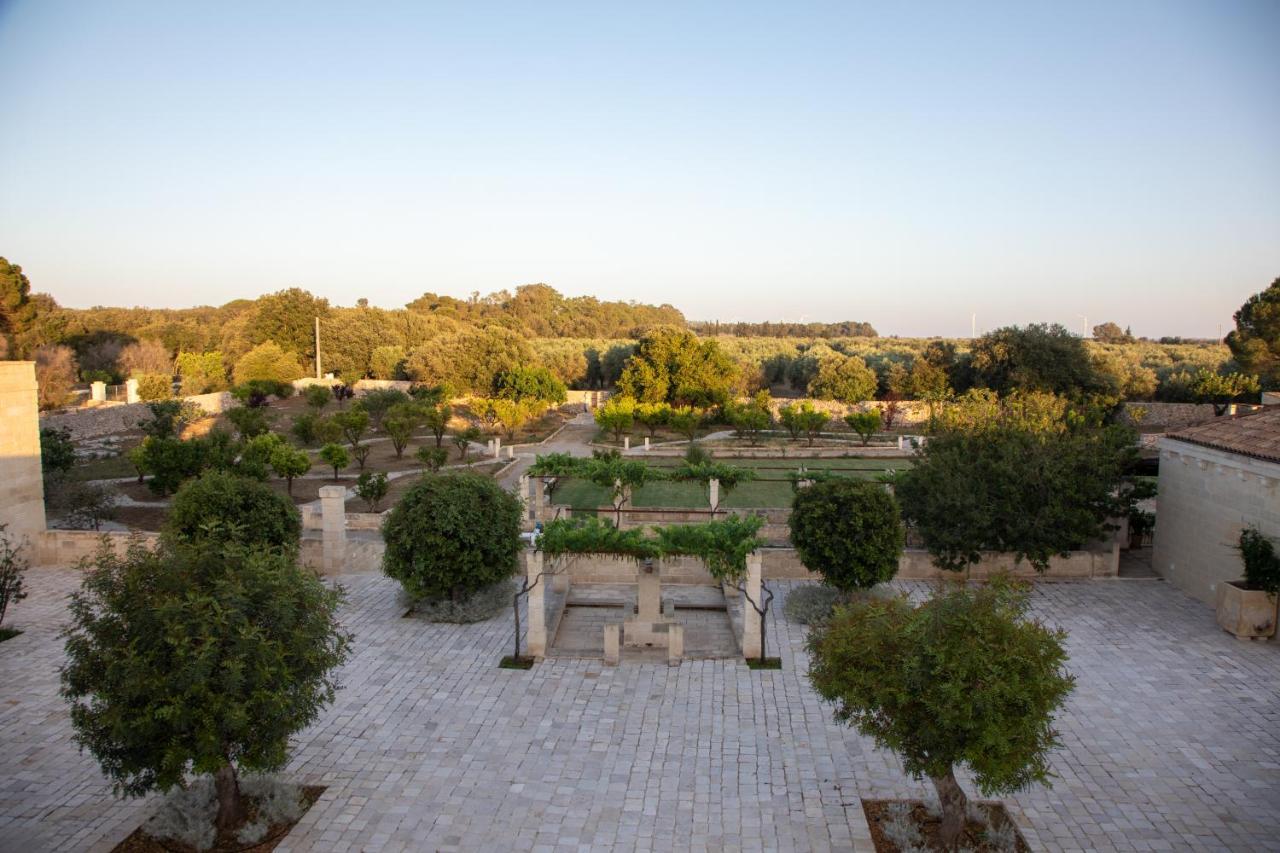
<point>1247,608</point>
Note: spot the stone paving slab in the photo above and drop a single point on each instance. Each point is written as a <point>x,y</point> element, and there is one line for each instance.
<point>1171,742</point>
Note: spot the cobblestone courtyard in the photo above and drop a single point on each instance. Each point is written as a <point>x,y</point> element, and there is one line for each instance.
<point>1171,741</point>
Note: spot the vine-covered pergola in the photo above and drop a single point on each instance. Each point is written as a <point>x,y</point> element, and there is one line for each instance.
<point>728,548</point>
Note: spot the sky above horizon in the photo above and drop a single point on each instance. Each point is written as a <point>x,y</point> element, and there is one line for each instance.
<point>903,164</point>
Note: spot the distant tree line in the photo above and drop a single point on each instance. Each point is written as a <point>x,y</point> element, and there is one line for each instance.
<point>769,329</point>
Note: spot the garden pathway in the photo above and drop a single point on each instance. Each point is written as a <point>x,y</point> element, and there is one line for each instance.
<point>1171,741</point>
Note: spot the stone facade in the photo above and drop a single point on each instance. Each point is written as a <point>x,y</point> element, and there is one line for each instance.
<point>1206,497</point>
<point>22,508</point>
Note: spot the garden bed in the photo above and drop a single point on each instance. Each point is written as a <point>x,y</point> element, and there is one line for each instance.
<point>997,835</point>
<point>139,842</point>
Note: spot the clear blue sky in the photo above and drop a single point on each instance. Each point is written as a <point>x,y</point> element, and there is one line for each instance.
<point>900,163</point>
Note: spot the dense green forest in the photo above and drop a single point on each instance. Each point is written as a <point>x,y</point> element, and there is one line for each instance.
<point>587,343</point>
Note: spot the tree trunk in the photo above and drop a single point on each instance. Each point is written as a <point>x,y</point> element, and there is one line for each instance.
<point>954,805</point>
<point>231,811</point>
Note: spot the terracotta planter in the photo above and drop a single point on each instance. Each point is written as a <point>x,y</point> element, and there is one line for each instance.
<point>1247,613</point>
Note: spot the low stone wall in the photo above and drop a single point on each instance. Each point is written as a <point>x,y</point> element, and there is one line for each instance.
<point>1171,415</point>
<point>784,564</point>
<point>110,418</point>
<point>68,547</point>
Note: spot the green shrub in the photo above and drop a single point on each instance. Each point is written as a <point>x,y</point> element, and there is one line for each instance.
<point>289,463</point>
<point>864,424</point>
<point>238,509</point>
<point>170,461</point>
<point>372,487</point>
<point>306,428</point>
<point>250,421</point>
<point>318,396</point>
<point>336,457</point>
<point>267,361</point>
<point>1261,562</point>
<point>432,458</point>
<point>451,536</point>
<point>13,566</point>
<point>849,531</point>
<point>168,417</point>
<point>57,452</point>
<point>154,386</point>
<point>811,604</point>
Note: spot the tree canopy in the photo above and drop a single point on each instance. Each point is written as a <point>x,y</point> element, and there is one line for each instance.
<point>964,679</point>
<point>1037,357</point>
<point>676,366</point>
<point>1005,487</point>
<point>198,658</point>
<point>1255,341</point>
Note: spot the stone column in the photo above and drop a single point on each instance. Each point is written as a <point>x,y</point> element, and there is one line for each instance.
<point>98,392</point>
<point>612,644</point>
<point>522,492</point>
<point>648,596</point>
<point>675,644</point>
<point>646,442</point>
<point>539,497</point>
<point>626,442</point>
<point>750,618</point>
<point>131,391</point>
<point>511,452</point>
<point>713,491</point>
<point>22,507</point>
<point>536,638</point>
<point>333,527</point>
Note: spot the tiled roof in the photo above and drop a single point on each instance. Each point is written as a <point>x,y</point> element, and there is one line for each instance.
<point>1256,435</point>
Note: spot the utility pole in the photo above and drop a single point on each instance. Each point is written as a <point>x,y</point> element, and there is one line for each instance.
<point>973,325</point>
<point>319,375</point>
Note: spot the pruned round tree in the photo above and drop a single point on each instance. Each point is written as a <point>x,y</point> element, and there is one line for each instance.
<point>849,531</point>
<point>964,679</point>
<point>198,658</point>
<point>451,536</point>
<point>1014,489</point>
<point>229,507</point>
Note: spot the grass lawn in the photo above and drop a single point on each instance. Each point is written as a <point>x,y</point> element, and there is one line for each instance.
<point>771,489</point>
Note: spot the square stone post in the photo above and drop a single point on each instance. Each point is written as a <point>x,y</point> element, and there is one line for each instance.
<point>511,452</point>
<point>750,618</point>
<point>539,497</point>
<point>131,391</point>
<point>675,644</point>
<point>536,637</point>
<point>646,442</point>
<point>22,505</point>
<point>333,527</point>
<point>612,644</point>
<point>626,442</point>
<point>522,492</point>
<point>713,491</point>
<point>98,392</point>
<point>497,446</point>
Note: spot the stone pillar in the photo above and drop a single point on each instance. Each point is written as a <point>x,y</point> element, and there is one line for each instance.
<point>131,391</point>
<point>626,442</point>
<point>539,497</point>
<point>675,644</point>
<point>98,392</point>
<point>522,492</point>
<point>646,442</point>
<point>536,638</point>
<point>648,596</point>
<point>750,618</point>
<point>511,452</point>
<point>22,507</point>
<point>713,490</point>
<point>612,644</point>
<point>333,526</point>
<point>497,447</point>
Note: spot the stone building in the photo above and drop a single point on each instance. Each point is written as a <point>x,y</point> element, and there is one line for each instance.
<point>22,504</point>
<point>1215,478</point>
